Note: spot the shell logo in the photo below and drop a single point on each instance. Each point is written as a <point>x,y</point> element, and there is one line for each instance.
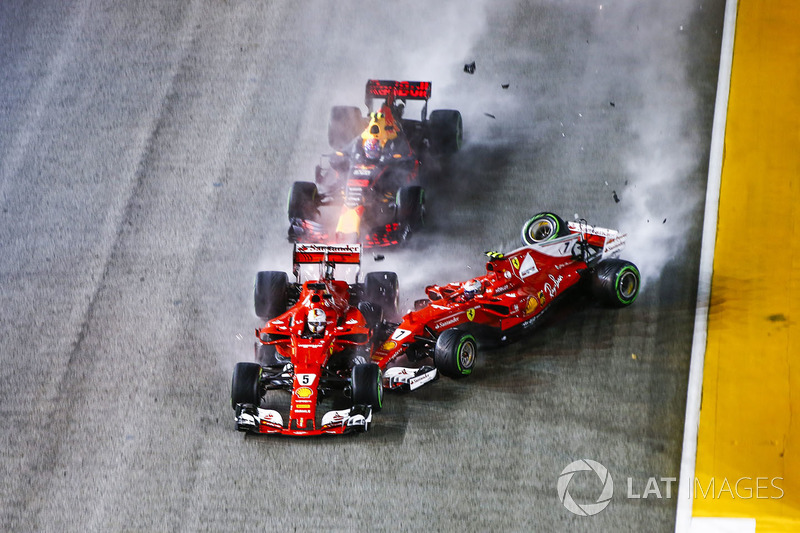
<point>304,392</point>
<point>530,305</point>
<point>389,345</point>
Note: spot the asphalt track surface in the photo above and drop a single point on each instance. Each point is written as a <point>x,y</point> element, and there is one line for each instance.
<point>145,156</point>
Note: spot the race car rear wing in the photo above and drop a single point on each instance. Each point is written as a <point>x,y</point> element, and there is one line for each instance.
<point>406,90</point>
<point>611,241</point>
<point>390,90</point>
<point>327,253</point>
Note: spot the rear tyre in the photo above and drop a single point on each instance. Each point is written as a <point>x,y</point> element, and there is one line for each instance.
<point>616,282</point>
<point>303,200</point>
<point>411,206</point>
<point>446,131</point>
<point>344,125</point>
<point>269,294</point>
<point>455,353</point>
<point>366,385</point>
<point>383,290</point>
<point>543,227</point>
<point>245,384</point>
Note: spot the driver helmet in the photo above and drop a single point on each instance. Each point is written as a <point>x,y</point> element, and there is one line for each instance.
<point>472,288</point>
<point>372,149</point>
<point>316,321</point>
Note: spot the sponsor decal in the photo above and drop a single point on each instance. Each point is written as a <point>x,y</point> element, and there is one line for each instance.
<point>528,267</point>
<point>389,345</point>
<point>504,288</point>
<point>542,299</point>
<point>470,314</point>
<point>447,322</point>
<point>552,290</point>
<point>530,305</point>
<point>515,262</point>
<point>352,321</point>
<point>341,248</point>
<point>304,392</point>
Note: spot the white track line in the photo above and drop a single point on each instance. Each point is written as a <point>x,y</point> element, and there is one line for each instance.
<point>683,517</point>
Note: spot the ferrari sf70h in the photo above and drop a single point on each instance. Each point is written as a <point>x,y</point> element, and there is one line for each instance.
<point>513,296</point>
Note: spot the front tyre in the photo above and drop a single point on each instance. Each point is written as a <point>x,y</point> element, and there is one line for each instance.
<point>367,386</point>
<point>455,353</point>
<point>616,282</point>
<point>543,227</point>
<point>245,384</point>
<point>270,294</point>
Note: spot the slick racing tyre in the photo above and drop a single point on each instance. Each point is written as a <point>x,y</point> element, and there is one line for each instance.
<point>366,385</point>
<point>372,313</point>
<point>616,282</point>
<point>542,228</point>
<point>245,384</point>
<point>344,125</point>
<point>446,131</point>
<point>303,200</point>
<point>269,294</point>
<point>411,206</point>
<point>383,290</point>
<point>455,353</point>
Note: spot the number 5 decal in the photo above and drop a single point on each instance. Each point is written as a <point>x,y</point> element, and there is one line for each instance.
<point>305,379</point>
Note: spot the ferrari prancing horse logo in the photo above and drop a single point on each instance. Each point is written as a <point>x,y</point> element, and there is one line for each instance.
<point>470,314</point>
<point>515,262</point>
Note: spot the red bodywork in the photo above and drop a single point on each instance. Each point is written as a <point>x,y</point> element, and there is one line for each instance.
<point>309,354</point>
<point>515,290</point>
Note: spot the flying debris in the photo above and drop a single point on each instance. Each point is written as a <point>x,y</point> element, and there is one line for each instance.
<point>505,85</point>
<point>469,68</point>
<point>616,198</point>
<point>613,104</point>
<point>489,115</point>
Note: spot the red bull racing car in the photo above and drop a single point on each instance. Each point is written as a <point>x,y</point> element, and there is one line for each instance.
<point>373,176</point>
<point>513,296</point>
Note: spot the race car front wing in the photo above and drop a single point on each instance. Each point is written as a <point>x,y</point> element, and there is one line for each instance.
<point>257,420</point>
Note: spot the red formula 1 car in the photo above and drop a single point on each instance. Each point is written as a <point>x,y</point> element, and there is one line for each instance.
<point>511,297</point>
<point>316,343</point>
<point>373,177</point>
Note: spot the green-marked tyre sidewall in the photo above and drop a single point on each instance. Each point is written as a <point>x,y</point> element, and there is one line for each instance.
<point>628,268</point>
<point>464,340</point>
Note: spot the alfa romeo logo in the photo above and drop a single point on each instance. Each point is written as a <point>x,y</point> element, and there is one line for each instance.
<point>585,509</point>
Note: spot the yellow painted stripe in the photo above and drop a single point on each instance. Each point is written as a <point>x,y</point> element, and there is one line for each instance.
<point>750,413</point>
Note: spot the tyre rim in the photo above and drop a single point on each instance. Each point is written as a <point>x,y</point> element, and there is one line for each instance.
<point>466,358</point>
<point>628,285</point>
<point>541,230</point>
